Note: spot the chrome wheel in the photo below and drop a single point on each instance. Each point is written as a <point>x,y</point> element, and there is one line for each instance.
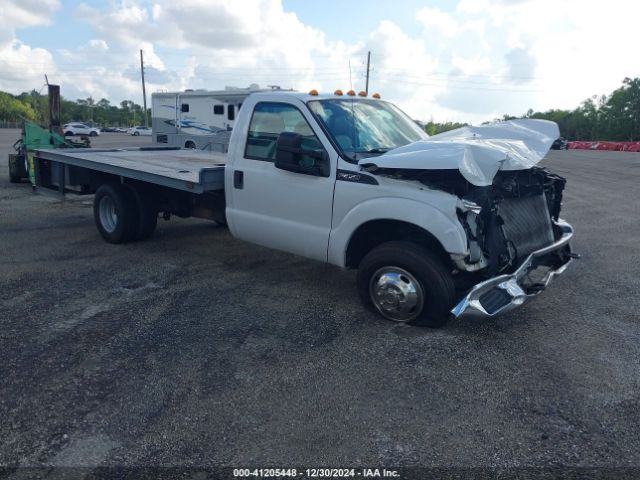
<point>108,214</point>
<point>396,294</point>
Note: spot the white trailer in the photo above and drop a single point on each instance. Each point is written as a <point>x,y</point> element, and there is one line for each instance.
<point>201,119</point>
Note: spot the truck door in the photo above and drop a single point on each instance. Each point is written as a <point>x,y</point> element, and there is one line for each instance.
<point>276,208</point>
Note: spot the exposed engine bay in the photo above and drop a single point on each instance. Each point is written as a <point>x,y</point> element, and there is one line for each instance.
<point>505,221</point>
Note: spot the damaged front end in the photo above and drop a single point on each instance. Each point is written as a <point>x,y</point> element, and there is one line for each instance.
<point>510,219</point>
<point>507,291</point>
<point>519,240</point>
<point>508,206</point>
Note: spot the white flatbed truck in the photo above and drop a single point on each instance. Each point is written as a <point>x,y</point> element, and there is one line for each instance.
<point>462,223</point>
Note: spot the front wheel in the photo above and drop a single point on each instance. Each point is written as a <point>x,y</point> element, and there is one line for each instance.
<point>136,134</point>
<point>406,283</point>
<point>93,134</point>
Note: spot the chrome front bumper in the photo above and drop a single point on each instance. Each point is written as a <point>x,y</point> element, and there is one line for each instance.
<point>505,292</point>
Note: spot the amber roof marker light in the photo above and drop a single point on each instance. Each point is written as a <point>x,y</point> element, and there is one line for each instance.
<point>313,92</point>
<point>376,95</point>
<point>338,92</point>
<point>362,93</point>
<point>351,93</point>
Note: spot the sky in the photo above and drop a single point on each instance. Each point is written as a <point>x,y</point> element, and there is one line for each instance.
<point>460,60</point>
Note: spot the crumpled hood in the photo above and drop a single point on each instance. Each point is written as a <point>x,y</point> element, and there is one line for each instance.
<point>478,152</point>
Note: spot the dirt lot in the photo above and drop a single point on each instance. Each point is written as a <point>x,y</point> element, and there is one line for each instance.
<point>197,349</point>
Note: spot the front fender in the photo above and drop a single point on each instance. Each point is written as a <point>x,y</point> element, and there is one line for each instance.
<point>444,227</point>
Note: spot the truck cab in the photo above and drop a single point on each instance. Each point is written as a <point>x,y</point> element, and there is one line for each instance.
<point>302,177</point>
<point>312,204</point>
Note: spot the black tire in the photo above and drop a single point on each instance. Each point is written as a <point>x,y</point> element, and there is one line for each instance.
<point>136,134</point>
<point>68,133</point>
<point>413,267</point>
<point>14,171</point>
<point>147,214</point>
<point>93,134</point>
<point>115,212</point>
<point>189,144</point>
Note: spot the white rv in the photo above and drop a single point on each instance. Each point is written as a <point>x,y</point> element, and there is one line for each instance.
<point>201,119</point>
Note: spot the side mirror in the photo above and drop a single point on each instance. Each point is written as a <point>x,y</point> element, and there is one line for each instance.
<point>292,157</point>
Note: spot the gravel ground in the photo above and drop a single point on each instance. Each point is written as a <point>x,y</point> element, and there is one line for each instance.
<point>195,349</point>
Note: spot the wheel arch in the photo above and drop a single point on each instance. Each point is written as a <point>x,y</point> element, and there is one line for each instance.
<point>373,233</point>
<point>393,218</point>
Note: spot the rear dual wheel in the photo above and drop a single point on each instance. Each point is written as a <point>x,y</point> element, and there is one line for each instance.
<point>147,214</point>
<point>123,214</point>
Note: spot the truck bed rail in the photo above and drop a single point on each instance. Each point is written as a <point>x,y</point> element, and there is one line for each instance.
<point>183,169</point>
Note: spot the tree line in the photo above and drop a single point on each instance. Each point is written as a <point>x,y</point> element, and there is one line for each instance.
<point>614,117</point>
<point>34,106</point>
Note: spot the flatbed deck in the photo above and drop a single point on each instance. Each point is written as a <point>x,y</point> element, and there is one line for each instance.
<point>184,169</point>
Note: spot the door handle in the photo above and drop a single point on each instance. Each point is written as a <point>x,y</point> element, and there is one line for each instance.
<point>238,179</point>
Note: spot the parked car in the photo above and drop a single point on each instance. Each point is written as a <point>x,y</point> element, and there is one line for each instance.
<point>80,129</point>
<point>139,130</point>
<point>559,144</point>
<point>108,129</point>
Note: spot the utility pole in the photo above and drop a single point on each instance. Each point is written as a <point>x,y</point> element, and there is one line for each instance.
<point>144,92</point>
<point>366,88</point>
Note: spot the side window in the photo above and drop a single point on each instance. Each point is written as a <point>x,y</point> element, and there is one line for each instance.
<point>218,109</point>
<point>185,107</point>
<point>268,121</point>
<point>231,113</point>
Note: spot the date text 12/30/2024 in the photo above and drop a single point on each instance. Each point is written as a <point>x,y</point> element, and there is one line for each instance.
<point>315,473</point>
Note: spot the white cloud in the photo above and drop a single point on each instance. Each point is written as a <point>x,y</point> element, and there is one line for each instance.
<point>471,65</point>
<point>23,67</point>
<point>215,43</point>
<point>435,18</point>
<point>400,63</point>
<point>22,14</point>
<point>521,65</point>
<point>473,6</point>
<point>573,48</point>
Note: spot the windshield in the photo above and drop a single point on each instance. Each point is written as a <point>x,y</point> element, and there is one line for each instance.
<point>363,128</point>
